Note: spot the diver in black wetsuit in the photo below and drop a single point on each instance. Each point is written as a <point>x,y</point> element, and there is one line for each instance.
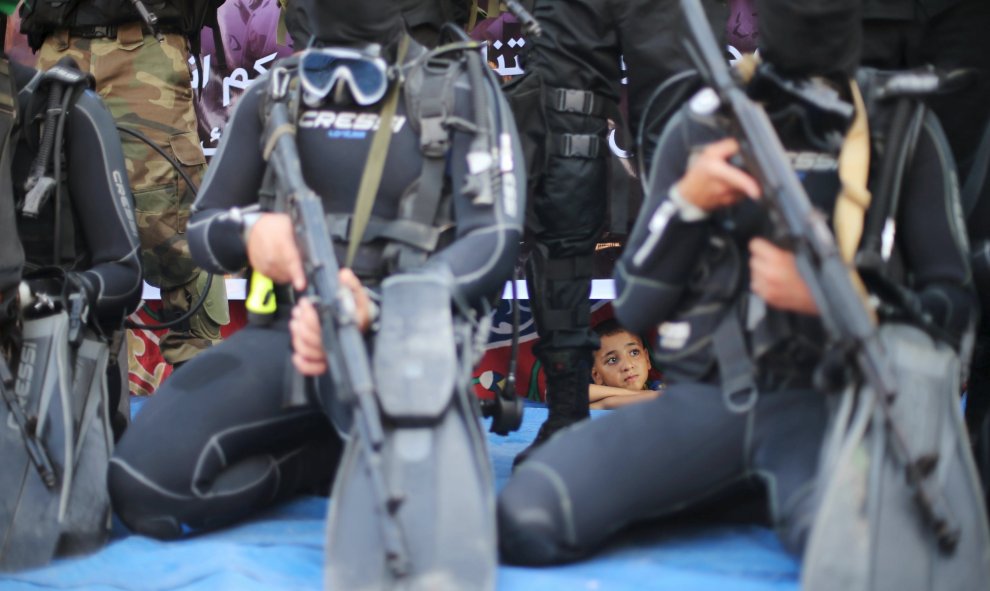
<point>94,228</point>
<point>571,87</point>
<point>98,235</point>
<point>685,268</point>
<point>235,447</point>
<point>81,278</point>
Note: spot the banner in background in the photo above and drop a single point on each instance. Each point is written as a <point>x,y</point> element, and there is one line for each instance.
<point>253,37</point>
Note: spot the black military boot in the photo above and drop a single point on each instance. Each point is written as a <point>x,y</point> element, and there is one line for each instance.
<point>568,374</point>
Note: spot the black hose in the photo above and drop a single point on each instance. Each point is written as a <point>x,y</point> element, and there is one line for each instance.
<point>59,135</point>
<point>209,279</point>
<point>510,380</point>
<point>681,89</point>
<point>163,154</point>
<point>899,149</point>
<point>40,165</point>
<point>185,316</point>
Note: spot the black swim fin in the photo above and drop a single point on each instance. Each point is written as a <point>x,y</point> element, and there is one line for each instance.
<point>61,392</point>
<point>434,462</point>
<point>872,531</point>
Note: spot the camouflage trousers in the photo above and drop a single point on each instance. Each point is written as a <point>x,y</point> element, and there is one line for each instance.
<point>147,87</point>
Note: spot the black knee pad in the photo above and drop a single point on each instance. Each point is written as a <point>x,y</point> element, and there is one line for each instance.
<point>531,529</point>
<point>558,290</point>
<point>130,502</point>
<point>526,535</point>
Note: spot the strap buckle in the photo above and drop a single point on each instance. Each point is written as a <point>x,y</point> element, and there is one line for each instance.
<point>572,145</point>
<point>94,32</point>
<point>435,141</point>
<point>569,100</point>
<point>280,79</point>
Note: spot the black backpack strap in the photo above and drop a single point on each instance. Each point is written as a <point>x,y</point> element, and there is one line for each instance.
<point>430,99</point>
<point>59,86</point>
<point>436,106</point>
<point>902,93</point>
<point>266,193</point>
<point>423,237</point>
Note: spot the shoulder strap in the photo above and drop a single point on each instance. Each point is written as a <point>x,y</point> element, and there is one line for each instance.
<point>435,107</point>
<point>63,83</point>
<point>375,165</point>
<point>292,95</point>
<point>431,100</point>
<point>854,171</point>
<point>896,142</point>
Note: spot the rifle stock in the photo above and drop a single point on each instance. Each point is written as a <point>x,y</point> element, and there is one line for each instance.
<point>848,320</point>
<point>347,356</point>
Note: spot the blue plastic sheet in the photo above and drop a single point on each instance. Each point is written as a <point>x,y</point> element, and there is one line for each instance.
<point>283,549</point>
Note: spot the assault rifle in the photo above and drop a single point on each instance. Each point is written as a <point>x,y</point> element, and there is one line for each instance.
<point>530,25</point>
<point>850,324</point>
<point>150,19</point>
<point>347,357</point>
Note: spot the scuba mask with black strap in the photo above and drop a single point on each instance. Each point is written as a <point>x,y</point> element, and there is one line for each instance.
<point>810,105</point>
<point>344,74</point>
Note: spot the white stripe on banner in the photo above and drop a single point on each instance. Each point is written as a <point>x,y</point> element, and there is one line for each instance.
<point>601,289</point>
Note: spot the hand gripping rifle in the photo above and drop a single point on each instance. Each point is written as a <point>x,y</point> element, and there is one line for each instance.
<point>843,310</point>
<point>347,356</point>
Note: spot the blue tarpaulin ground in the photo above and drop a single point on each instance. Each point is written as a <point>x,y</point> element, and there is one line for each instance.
<point>283,549</point>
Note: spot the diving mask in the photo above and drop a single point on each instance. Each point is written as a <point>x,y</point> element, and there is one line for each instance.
<point>364,74</point>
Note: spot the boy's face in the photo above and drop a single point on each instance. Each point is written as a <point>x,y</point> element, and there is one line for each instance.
<point>621,362</point>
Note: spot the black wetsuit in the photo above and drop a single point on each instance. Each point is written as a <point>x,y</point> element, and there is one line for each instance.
<point>950,34</point>
<point>234,447</point>
<point>571,87</point>
<point>688,447</point>
<point>11,253</point>
<point>98,237</point>
<point>424,18</point>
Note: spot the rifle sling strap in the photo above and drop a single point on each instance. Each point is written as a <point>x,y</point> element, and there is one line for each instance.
<point>854,169</point>
<point>849,215</point>
<point>273,138</point>
<point>372,176</point>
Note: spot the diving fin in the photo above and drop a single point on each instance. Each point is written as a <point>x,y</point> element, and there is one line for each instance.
<point>29,509</point>
<point>86,516</point>
<point>63,392</point>
<point>434,460</point>
<point>870,532</point>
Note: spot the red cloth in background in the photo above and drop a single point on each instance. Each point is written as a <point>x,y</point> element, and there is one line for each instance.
<point>146,368</point>
<point>490,375</point>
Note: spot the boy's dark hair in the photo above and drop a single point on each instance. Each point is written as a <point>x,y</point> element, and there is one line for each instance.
<point>609,327</point>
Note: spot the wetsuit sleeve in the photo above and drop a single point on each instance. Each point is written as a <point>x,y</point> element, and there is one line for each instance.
<point>232,180</point>
<point>663,249</point>
<point>11,251</point>
<point>483,254</point>
<point>931,235</point>
<point>104,207</point>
